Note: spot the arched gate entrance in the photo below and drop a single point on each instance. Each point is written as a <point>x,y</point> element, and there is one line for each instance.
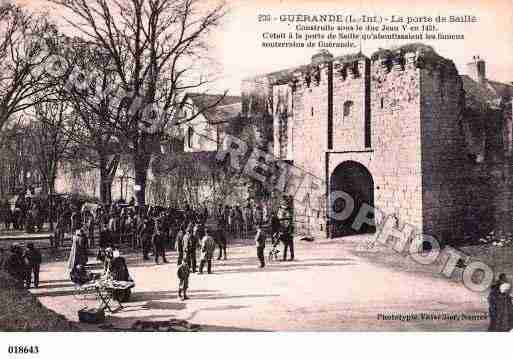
<point>350,179</point>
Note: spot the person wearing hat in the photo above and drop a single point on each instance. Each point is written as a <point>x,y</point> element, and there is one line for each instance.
<point>287,229</point>
<point>189,246</point>
<point>208,246</point>
<point>159,239</point>
<point>287,237</point>
<point>183,272</point>
<point>260,245</point>
<point>146,235</point>
<point>504,309</point>
<point>179,244</point>
<point>119,272</point>
<point>34,260</point>
<point>492,301</point>
<point>220,238</point>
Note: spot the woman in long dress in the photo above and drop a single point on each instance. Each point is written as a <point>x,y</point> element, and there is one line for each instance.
<point>78,252</point>
<point>73,254</point>
<point>504,308</point>
<point>119,271</point>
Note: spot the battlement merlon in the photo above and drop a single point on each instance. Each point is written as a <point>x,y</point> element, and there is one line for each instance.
<point>352,66</point>
<point>321,60</point>
<point>410,57</point>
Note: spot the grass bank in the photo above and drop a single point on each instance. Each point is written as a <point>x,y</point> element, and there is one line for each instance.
<point>22,311</point>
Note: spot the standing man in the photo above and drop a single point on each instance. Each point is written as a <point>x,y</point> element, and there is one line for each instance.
<point>258,215</point>
<point>275,224</point>
<point>76,221</point>
<point>288,241</point>
<point>208,246</point>
<point>190,245</point>
<point>159,238</point>
<point>183,273</point>
<point>239,220</point>
<point>205,214</point>
<point>492,301</point>
<point>146,236</point>
<point>260,245</point>
<point>179,244</point>
<point>504,308</point>
<point>60,230</point>
<point>114,228</point>
<point>89,227</point>
<point>5,213</point>
<point>34,260</point>
<point>27,269</point>
<point>265,212</point>
<point>220,239</point>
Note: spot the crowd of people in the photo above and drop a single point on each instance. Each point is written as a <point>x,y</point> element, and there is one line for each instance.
<point>29,214</point>
<point>157,229</point>
<point>22,264</point>
<point>194,234</point>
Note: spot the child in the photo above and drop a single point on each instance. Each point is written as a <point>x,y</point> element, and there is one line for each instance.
<point>183,277</point>
<point>260,245</point>
<point>275,241</point>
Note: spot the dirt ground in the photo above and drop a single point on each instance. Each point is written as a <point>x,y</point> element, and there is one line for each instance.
<point>331,286</point>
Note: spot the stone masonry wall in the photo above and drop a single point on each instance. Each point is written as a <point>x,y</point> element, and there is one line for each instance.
<point>410,101</point>
<point>310,112</point>
<point>349,90</point>
<point>309,135</point>
<point>444,160</point>
<point>395,113</point>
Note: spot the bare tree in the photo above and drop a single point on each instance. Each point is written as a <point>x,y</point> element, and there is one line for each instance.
<point>23,55</point>
<point>16,160</point>
<point>53,119</point>
<point>92,103</point>
<point>156,46</point>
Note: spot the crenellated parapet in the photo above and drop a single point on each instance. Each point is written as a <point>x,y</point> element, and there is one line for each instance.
<point>409,58</point>
<point>349,69</point>
<point>394,63</point>
<point>310,77</point>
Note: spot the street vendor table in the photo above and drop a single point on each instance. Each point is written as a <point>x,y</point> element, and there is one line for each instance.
<point>105,288</point>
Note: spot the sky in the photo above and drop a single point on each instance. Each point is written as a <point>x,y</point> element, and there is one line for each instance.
<point>236,45</point>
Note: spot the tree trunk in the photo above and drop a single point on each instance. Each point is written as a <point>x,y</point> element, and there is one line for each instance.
<point>141,165</point>
<point>107,174</point>
<point>51,204</point>
<point>105,189</point>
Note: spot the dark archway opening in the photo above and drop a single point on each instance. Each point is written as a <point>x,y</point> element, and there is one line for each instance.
<point>354,179</point>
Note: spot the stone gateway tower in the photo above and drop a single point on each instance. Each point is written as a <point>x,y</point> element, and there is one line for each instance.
<point>389,131</point>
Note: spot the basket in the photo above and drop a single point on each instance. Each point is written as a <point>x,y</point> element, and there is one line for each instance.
<point>91,315</point>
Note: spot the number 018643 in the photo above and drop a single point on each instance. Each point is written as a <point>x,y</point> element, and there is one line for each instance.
<point>23,349</point>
